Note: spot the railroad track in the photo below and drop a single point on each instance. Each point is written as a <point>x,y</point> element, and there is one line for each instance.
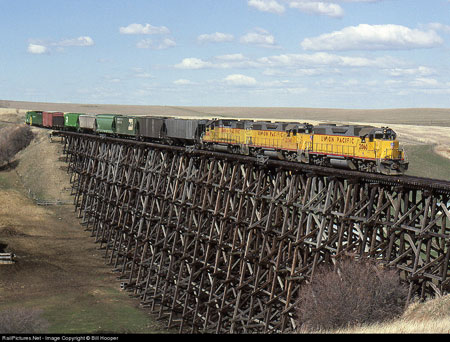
<point>414,182</point>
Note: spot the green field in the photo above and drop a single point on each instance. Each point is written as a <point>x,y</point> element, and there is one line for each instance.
<point>98,311</point>
<point>424,162</point>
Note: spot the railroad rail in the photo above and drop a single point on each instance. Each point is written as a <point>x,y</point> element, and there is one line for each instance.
<point>217,242</point>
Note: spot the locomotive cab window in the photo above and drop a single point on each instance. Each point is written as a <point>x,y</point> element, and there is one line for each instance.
<point>389,135</point>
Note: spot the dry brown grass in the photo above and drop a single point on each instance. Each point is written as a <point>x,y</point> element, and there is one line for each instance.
<point>432,316</point>
<point>22,321</point>
<point>348,293</point>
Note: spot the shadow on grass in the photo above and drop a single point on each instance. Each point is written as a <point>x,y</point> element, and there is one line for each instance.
<point>9,166</point>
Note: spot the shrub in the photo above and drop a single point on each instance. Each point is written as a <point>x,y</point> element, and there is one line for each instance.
<point>12,140</point>
<point>21,321</point>
<point>350,293</point>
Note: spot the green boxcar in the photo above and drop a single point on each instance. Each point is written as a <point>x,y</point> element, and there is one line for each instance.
<point>126,125</point>
<point>33,118</point>
<point>105,123</point>
<point>71,121</point>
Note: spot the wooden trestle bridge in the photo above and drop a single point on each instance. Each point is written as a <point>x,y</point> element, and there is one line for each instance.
<point>216,242</point>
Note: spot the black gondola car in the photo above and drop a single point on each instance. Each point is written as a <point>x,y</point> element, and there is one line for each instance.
<point>150,127</point>
<point>184,130</point>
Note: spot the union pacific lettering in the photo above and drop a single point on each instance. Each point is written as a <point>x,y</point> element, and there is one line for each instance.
<point>269,133</point>
<point>336,139</point>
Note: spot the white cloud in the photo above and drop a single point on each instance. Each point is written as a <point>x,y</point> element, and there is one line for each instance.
<point>303,63</point>
<point>325,59</point>
<point>425,82</point>
<point>80,41</point>
<point>419,84</point>
<point>143,75</point>
<point>140,73</point>
<point>296,91</point>
<point>37,49</point>
<point>240,80</point>
<point>232,57</point>
<point>143,29</point>
<point>217,37</point>
<point>352,0</point>
<point>41,47</point>
<point>193,63</point>
<point>420,71</point>
<point>144,44</point>
<point>393,82</point>
<point>300,72</point>
<point>166,43</point>
<point>271,6</point>
<point>439,27</point>
<point>373,37</point>
<point>156,45</point>
<point>259,37</point>
<point>219,62</point>
<point>183,81</point>
<point>318,7</point>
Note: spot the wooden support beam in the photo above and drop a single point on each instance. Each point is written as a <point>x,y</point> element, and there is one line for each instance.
<point>220,245</point>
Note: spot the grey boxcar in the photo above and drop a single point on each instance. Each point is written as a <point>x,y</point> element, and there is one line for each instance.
<point>87,123</point>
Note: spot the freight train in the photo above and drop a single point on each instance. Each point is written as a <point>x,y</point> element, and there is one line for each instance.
<point>355,147</point>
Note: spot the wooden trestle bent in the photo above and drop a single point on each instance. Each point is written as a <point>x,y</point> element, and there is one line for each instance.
<point>223,244</point>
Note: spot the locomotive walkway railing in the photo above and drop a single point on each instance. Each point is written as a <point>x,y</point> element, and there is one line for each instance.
<point>217,242</point>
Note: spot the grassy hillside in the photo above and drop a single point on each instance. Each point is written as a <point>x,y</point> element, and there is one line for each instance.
<point>432,316</point>
<point>424,162</point>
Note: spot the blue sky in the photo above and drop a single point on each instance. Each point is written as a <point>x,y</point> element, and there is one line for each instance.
<point>267,53</point>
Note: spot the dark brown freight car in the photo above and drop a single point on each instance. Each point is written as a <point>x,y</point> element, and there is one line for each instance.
<point>53,119</point>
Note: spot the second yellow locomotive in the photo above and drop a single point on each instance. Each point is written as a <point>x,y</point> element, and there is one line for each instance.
<point>356,147</point>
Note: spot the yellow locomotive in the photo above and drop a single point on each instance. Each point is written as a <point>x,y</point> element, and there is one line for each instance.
<point>356,147</point>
